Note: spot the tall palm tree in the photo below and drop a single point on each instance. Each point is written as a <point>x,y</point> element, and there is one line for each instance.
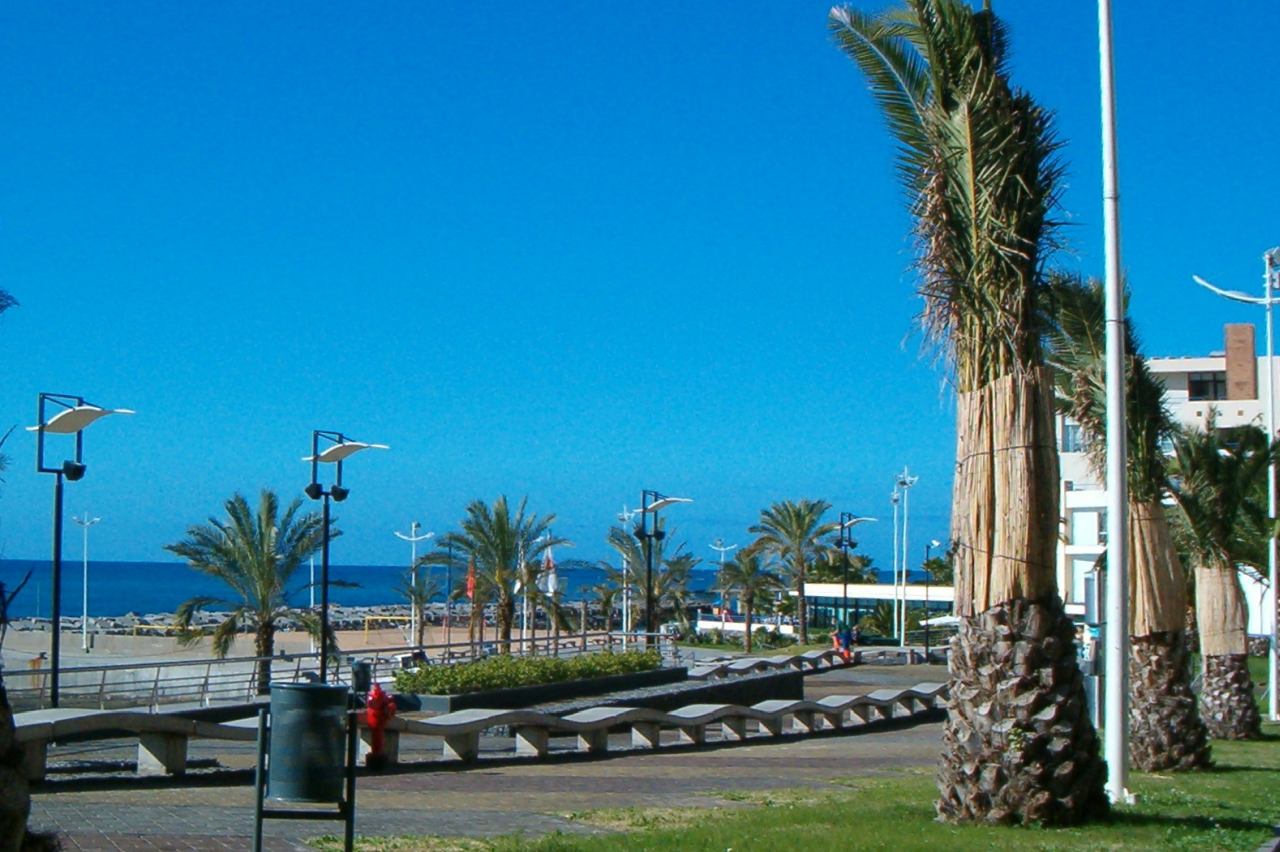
<point>1215,474</point>
<point>608,590</point>
<point>1165,731</point>
<point>15,794</point>
<point>256,554</point>
<point>978,159</point>
<point>498,540</point>
<point>748,576</point>
<point>419,588</point>
<point>671,589</point>
<point>792,532</point>
<point>671,571</point>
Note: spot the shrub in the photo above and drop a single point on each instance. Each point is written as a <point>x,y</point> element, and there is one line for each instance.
<point>505,671</point>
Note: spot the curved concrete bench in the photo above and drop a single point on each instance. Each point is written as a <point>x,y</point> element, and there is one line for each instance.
<point>162,739</point>
<point>532,731</point>
<point>809,660</point>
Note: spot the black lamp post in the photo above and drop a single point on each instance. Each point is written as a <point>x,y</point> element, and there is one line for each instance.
<point>339,447</point>
<point>844,541</point>
<point>651,502</point>
<point>73,416</point>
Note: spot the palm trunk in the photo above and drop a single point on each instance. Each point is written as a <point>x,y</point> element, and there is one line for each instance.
<point>748,605</point>
<point>1226,693</point>
<point>264,647</point>
<point>472,620</point>
<point>1165,731</point>
<point>802,608</point>
<point>15,794</point>
<point>555,626</point>
<point>1018,746</point>
<point>421,625</point>
<point>506,614</point>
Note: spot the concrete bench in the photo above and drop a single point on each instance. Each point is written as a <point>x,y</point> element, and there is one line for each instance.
<point>162,738</point>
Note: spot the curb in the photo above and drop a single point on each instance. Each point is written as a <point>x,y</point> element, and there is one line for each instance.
<point>1272,845</point>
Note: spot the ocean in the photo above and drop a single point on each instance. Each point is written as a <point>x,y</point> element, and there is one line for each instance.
<point>117,588</point>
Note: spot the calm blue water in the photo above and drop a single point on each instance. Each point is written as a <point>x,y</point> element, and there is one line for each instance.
<point>116,588</point>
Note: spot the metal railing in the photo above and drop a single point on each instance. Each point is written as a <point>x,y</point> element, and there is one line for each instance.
<point>209,682</point>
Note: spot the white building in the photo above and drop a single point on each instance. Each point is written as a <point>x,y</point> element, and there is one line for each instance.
<point>1223,382</point>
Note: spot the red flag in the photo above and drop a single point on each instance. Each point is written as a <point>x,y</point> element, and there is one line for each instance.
<point>471,578</point>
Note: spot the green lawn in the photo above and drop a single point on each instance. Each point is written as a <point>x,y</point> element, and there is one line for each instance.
<point>1233,806</point>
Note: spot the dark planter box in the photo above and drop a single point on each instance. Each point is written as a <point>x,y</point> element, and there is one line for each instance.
<point>526,696</point>
<point>745,689</point>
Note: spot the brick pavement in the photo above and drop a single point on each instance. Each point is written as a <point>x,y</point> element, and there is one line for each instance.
<point>213,808</point>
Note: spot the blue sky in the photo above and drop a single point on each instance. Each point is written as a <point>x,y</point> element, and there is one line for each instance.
<point>563,250</point>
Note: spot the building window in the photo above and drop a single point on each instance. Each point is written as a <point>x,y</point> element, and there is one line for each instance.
<point>1207,386</point>
<point>1072,438</point>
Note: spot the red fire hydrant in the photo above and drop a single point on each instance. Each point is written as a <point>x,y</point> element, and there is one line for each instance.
<point>379,709</point>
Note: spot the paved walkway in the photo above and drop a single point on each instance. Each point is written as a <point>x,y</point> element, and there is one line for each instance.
<point>213,809</point>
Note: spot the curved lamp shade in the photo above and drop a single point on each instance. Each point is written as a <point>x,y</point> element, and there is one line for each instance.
<point>72,420</point>
<point>852,522</point>
<point>339,452</point>
<point>664,502</point>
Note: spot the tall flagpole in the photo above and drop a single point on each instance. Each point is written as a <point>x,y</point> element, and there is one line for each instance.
<point>1116,707</point>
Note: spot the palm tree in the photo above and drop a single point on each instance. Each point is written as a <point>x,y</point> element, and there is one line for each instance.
<point>506,547</point>
<point>749,577</point>
<point>879,620</point>
<point>608,590</point>
<point>830,568</point>
<point>978,159</point>
<point>671,573</point>
<point>420,588</point>
<point>256,554</point>
<point>1165,731</point>
<point>671,589</point>
<point>792,532</point>
<point>1215,475</point>
<point>15,794</point>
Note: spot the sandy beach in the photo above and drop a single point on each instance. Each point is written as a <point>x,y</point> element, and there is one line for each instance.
<point>22,648</point>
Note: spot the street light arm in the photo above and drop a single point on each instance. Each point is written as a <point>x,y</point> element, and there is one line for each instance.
<point>1233,295</point>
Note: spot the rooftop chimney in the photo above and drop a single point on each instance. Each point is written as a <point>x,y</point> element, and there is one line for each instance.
<point>1242,361</point>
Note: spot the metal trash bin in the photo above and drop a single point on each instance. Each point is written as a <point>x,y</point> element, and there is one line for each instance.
<point>308,742</point>
<point>361,676</point>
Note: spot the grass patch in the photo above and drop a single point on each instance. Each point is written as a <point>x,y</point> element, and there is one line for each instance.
<point>1233,806</point>
<point>633,819</point>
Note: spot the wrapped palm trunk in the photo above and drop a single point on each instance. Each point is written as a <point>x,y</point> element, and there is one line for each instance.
<point>1165,730</point>
<point>15,794</point>
<point>1018,743</point>
<point>1226,692</point>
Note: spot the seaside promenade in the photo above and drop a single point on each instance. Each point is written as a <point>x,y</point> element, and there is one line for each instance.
<point>212,809</point>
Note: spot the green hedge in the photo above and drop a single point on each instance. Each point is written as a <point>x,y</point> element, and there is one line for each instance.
<point>505,671</point>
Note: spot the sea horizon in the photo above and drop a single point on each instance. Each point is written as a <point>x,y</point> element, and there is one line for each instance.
<point>119,587</point>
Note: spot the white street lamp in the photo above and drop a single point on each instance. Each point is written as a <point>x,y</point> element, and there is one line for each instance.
<point>895,498</point>
<point>1270,284</point>
<point>722,548</point>
<point>1116,718</point>
<point>905,482</point>
<point>624,518</point>
<point>85,522</point>
<point>413,538</point>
